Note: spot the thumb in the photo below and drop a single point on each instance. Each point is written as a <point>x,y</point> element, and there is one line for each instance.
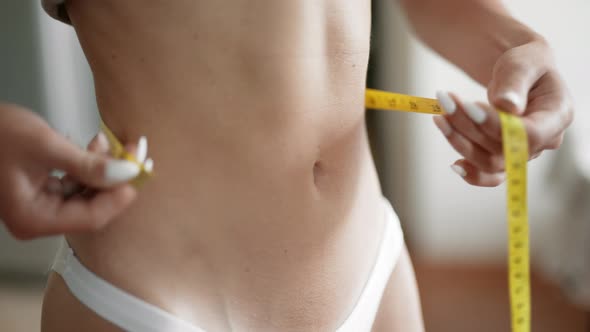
<point>93,169</point>
<point>512,78</point>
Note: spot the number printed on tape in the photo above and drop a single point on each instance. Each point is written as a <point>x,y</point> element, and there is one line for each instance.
<point>515,147</point>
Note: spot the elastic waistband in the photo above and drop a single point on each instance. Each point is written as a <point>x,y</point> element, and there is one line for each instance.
<point>135,315</point>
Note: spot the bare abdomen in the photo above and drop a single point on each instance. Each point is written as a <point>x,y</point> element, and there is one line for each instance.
<point>265,191</point>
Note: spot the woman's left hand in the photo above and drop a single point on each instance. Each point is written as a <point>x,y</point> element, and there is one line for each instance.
<point>525,82</point>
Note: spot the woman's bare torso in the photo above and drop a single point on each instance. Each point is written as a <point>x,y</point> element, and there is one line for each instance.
<point>265,209</point>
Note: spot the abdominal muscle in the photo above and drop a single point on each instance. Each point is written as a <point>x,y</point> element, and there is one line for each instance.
<point>265,212</point>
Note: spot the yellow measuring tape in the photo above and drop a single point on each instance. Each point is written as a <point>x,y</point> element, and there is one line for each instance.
<point>117,150</point>
<point>516,156</point>
<point>515,148</point>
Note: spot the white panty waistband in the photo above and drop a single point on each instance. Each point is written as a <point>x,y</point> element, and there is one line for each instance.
<point>135,315</point>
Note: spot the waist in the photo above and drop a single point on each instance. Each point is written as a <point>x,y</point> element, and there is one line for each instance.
<point>239,193</point>
<point>286,181</point>
<point>244,225</point>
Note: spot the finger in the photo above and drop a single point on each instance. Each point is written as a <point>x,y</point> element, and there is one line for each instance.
<point>53,215</point>
<point>99,144</point>
<point>467,119</point>
<point>443,125</point>
<point>513,76</point>
<point>490,124</point>
<point>492,128</point>
<point>70,187</point>
<point>89,168</point>
<point>482,159</point>
<point>549,117</point>
<point>53,185</point>
<point>556,143</point>
<point>474,176</point>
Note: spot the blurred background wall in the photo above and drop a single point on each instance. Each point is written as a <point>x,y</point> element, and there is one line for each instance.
<point>41,67</point>
<point>457,233</point>
<point>20,72</point>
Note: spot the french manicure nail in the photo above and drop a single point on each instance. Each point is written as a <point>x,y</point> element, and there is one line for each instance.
<point>120,171</point>
<point>447,103</point>
<point>142,147</point>
<point>148,165</point>
<point>476,113</point>
<point>443,125</point>
<point>459,170</point>
<point>513,98</point>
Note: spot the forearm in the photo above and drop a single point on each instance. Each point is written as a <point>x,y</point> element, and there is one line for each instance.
<point>472,34</point>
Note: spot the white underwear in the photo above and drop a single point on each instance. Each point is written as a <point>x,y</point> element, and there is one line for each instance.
<point>135,315</point>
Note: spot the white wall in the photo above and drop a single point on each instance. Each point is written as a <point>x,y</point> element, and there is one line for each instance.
<point>450,220</point>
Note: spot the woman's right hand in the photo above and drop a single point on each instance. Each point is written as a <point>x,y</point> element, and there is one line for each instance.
<point>33,203</point>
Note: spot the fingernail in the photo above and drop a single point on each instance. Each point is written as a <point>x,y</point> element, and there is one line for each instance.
<point>459,170</point>
<point>148,165</point>
<point>142,147</point>
<point>476,113</point>
<point>447,103</point>
<point>513,98</point>
<point>103,143</point>
<point>118,170</point>
<point>443,125</point>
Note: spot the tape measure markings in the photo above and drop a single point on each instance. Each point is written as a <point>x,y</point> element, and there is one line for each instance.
<point>515,148</point>
<point>377,99</point>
